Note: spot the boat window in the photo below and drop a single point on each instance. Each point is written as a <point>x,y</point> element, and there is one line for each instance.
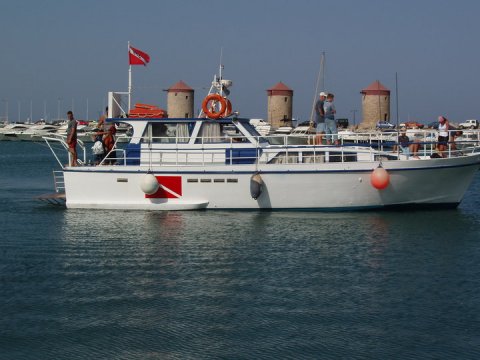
<point>169,132</point>
<point>217,132</point>
<point>284,158</point>
<point>313,157</point>
<point>210,133</point>
<point>384,157</point>
<point>338,156</point>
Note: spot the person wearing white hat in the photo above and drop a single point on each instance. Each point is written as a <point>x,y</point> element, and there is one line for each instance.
<point>330,123</point>
<point>320,117</point>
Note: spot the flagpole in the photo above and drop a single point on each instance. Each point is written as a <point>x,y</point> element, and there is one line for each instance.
<point>129,81</point>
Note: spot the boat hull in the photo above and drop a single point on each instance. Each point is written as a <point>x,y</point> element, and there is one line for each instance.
<point>333,186</point>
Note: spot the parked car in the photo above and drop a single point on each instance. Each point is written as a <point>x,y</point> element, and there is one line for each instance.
<point>468,124</point>
<point>412,125</point>
<point>342,123</point>
<point>383,125</point>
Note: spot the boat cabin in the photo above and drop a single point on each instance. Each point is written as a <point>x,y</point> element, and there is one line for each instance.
<point>195,141</point>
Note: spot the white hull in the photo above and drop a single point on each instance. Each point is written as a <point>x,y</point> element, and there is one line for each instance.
<point>334,186</point>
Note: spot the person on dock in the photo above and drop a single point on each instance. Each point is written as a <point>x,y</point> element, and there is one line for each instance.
<point>72,138</point>
<point>320,118</point>
<point>330,124</point>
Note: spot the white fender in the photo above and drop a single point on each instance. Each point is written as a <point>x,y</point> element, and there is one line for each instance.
<point>149,184</point>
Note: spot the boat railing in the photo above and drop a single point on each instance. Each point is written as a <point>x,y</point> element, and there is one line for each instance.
<point>271,149</point>
<point>62,140</point>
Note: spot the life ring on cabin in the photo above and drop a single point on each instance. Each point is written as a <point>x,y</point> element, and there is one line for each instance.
<point>225,106</point>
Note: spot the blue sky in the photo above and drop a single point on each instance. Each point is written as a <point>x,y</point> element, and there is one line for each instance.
<point>65,53</point>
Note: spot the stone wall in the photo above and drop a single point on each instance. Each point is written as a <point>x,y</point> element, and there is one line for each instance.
<point>374,109</point>
<point>180,104</point>
<point>279,108</point>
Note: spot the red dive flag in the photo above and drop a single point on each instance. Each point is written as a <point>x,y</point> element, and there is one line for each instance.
<point>137,57</point>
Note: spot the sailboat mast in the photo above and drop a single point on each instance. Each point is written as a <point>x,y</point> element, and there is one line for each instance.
<point>322,67</point>
<point>321,83</point>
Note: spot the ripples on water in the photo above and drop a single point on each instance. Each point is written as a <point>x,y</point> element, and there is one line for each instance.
<point>85,284</point>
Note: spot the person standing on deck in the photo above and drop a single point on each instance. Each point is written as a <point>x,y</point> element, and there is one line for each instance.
<point>443,137</point>
<point>72,138</point>
<point>330,124</point>
<point>320,118</point>
<point>101,121</point>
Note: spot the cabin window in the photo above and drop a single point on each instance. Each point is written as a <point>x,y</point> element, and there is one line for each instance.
<point>338,156</point>
<point>313,157</point>
<point>285,99</point>
<point>284,158</point>
<point>169,132</point>
<point>210,133</point>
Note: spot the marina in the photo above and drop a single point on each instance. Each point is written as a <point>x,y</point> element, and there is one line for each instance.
<point>176,217</point>
<point>36,131</point>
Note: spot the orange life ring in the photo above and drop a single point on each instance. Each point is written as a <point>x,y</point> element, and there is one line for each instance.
<point>211,113</point>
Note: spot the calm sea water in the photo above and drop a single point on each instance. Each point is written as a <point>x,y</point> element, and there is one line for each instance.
<point>85,284</point>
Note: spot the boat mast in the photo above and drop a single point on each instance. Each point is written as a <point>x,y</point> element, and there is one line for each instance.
<point>396,96</point>
<point>220,71</point>
<point>321,83</point>
<point>129,81</point>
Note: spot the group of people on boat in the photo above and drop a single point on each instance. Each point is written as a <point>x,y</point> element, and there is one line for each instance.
<point>445,141</point>
<point>104,139</point>
<point>325,123</point>
<point>326,126</point>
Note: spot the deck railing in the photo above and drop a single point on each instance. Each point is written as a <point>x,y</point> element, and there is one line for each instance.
<point>278,149</point>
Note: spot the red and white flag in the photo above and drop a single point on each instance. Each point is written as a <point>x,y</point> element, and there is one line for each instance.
<point>137,57</point>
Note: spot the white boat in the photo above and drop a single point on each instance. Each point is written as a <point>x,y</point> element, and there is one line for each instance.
<point>36,132</point>
<point>185,164</point>
<point>86,133</point>
<point>13,131</point>
<point>262,127</point>
<point>219,161</point>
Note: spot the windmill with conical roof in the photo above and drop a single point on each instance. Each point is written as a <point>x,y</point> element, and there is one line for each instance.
<point>279,106</point>
<point>375,104</point>
<point>180,99</point>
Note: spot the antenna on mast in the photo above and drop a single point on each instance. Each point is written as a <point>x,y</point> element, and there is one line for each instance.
<point>219,86</point>
<point>221,63</point>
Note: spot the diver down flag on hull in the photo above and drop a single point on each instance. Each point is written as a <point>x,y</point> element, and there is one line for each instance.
<point>137,57</point>
<point>170,188</point>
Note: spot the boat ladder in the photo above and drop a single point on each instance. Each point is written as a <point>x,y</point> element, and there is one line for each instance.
<point>59,181</point>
